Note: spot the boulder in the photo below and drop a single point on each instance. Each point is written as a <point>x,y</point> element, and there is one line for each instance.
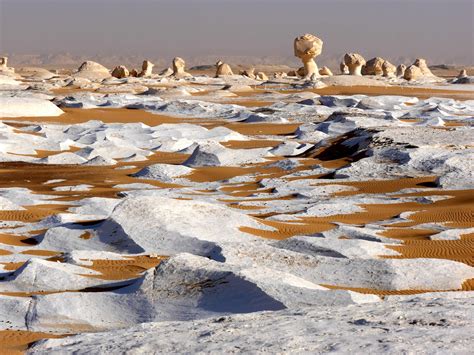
<point>249,73</point>
<point>343,68</point>
<point>223,69</point>
<point>179,68</point>
<point>401,70</point>
<point>325,71</point>
<point>373,66</point>
<point>261,76</point>
<point>120,72</point>
<point>413,72</point>
<point>421,63</point>
<point>147,68</point>
<point>388,69</point>
<point>462,74</point>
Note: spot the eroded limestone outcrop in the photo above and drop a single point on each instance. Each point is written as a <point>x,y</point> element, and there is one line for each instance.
<point>354,62</point>
<point>307,47</point>
<point>179,71</point>
<point>147,68</point>
<point>120,72</point>
<point>223,69</point>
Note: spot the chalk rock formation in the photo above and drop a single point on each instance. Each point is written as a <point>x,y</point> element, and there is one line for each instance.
<point>279,75</point>
<point>223,69</point>
<point>166,72</point>
<point>92,71</point>
<point>249,73</point>
<point>462,74</point>
<point>147,68</point>
<point>325,71</point>
<point>354,62</point>
<point>343,68</point>
<point>401,70</point>
<point>3,66</point>
<point>373,66</point>
<point>421,63</point>
<point>261,76</point>
<point>178,68</point>
<point>388,69</point>
<point>308,47</point>
<point>120,72</point>
<point>26,106</point>
<point>413,72</point>
<point>301,72</point>
<point>134,73</point>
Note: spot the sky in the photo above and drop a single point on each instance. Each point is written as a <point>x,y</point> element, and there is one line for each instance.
<point>441,31</point>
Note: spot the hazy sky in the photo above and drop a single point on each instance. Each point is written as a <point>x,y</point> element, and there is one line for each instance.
<point>438,30</point>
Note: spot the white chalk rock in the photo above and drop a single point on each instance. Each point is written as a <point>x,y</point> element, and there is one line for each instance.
<point>27,107</point>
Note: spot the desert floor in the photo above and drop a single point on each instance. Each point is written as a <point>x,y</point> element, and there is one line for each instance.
<point>216,214</point>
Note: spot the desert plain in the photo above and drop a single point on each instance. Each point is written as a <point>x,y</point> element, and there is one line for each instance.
<point>170,210</point>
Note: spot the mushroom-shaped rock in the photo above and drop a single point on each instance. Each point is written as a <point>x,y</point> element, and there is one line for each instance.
<point>343,68</point>
<point>401,70</point>
<point>462,74</point>
<point>249,73</point>
<point>261,76</point>
<point>308,47</point>
<point>178,68</point>
<point>421,63</point>
<point>354,62</point>
<point>325,71</point>
<point>388,69</point>
<point>147,68</point>
<point>373,66</point>
<point>120,72</point>
<point>413,72</point>
<point>223,69</point>
<point>92,71</point>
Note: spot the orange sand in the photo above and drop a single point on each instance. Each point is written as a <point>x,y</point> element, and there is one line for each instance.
<point>17,341</point>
